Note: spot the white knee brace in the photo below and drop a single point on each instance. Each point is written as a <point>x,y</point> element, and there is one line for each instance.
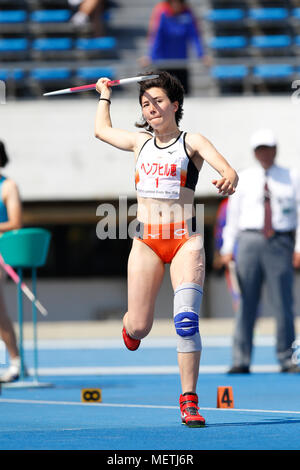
<point>187,303</point>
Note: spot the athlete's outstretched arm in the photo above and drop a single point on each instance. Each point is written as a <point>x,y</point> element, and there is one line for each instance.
<point>229,178</point>
<point>11,198</point>
<point>104,131</point>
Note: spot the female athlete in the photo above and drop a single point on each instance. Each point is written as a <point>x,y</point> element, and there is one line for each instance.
<point>168,162</point>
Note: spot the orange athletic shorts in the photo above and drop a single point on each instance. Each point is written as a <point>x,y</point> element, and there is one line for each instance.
<point>166,239</point>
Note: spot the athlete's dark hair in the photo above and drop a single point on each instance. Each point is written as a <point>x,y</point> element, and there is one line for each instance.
<point>3,155</point>
<point>173,89</point>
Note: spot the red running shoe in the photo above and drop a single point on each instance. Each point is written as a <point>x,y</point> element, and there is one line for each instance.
<point>130,343</point>
<point>189,410</point>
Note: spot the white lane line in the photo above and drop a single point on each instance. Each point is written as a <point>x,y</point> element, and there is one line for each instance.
<point>140,370</point>
<point>117,343</point>
<point>127,405</point>
<point>143,370</point>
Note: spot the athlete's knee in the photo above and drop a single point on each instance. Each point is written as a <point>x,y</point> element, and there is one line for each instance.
<point>138,330</point>
<point>187,304</point>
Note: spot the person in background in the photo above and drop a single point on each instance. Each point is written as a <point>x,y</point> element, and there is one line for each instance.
<point>10,219</point>
<point>90,10</point>
<point>264,216</point>
<point>218,235</point>
<point>172,28</point>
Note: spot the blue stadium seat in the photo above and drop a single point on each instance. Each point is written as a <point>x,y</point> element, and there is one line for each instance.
<point>13,45</point>
<point>228,42</point>
<point>52,44</point>
<point>271,41</point>
<point>42,74</point>
<point>90,44</point>
<point>13,74</point>
<point>277,71</point>
<point>297,40</point>
<point>90,73</point>
<point>295,13</point>
<point>225,14</point>
<point>268,14</point>
<point>13,16</point>
<point>231,72</point>
<point>50,16</point>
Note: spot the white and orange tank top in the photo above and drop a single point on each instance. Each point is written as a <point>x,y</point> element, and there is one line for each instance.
<point>160,172</point>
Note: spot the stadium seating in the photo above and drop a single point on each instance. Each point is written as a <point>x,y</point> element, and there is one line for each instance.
<point>42,80</point>
<point>273,71</point>
<point>13,16</point>
<point>225,15</point>
<point>268,14</point>
<point>93,73</point>
<point>50,16</point>
<point>296,13</point>
<point>271,41</point>
<point>50,74</point>
<point>228,42</point>
<point>51,48</point>
<point>91,44</point>
<point>52,44</point>
<point>36,35</point>
<point>13,48</point>
<point>246,40</point>
<point>14,44</point>
<point>229,72</point>
<point>12,74</point>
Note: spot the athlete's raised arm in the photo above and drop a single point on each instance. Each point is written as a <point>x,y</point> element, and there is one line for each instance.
<point>123,140</point>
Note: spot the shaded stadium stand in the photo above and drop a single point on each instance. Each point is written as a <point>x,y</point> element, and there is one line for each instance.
<point>96,47</point>
<point>230,72</point>
<point>231,78</point>
<point>228,46</point>
<point>13,49</point>
<point>44,74</point>
<point>58,44</point>
<point>11,74</point>
<point>13,16</point>
<point>42,80</point>
<point>37,33</point>
<point>268,14</point>
<point>296,13</point>
<point>239,35</point>
<point>274,71</point>
<point>273,76</point>
<point>224,15</point>
<point>93,73</point>
<point>50,16</point>
<point>272,45</point>
<point>271,41</point>
<point>246,40</point>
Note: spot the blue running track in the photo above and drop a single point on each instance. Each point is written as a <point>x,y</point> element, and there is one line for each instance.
<point>140,393</point>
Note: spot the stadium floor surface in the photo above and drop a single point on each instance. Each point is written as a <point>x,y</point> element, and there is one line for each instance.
<point>140,392</point>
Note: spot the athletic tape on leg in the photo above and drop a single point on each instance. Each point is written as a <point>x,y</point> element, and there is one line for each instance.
<point>187,304</point>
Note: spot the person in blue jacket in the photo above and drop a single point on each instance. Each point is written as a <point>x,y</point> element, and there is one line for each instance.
<point>10,219</point>
<point>173,27</point>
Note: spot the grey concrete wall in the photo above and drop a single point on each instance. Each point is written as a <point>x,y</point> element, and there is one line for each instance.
<point>84,299</point>
<point>54,154</point>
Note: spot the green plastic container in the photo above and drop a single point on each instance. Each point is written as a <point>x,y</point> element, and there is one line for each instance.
<point>26,247</point>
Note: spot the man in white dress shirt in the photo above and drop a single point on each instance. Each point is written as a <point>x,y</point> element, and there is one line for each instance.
<point>263,216</point>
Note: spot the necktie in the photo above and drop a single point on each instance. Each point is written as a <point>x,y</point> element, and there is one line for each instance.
<point>267,230</point>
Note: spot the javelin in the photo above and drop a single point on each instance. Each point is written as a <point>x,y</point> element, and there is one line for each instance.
<point>92,86</point>
<point>15,277</point>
